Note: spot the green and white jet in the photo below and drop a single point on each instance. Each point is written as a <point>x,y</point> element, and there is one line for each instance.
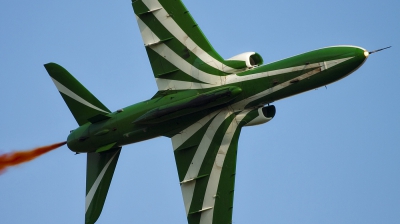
<point>203,102</point>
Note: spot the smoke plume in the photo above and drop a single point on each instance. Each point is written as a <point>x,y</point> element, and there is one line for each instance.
<point>18,157</point>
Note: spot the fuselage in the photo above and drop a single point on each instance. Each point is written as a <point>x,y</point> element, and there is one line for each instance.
<point>168,112</point>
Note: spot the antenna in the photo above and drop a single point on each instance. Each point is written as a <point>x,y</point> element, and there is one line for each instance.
<point>371,52</point>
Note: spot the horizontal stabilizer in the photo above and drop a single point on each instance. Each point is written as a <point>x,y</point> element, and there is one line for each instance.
<point>99,173</point>
<point>82,104</point>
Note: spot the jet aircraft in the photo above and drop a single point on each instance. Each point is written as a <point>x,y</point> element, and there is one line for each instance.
<point>203,102</point>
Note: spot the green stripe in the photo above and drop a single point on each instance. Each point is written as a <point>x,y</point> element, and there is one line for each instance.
<point>95,163</point>
<point>206,167</point>
<point>311,57</point>
<point>185,20</point>
<point>80,112</point>
<point>163,34</point>
<point>60,74</point>
<point>236,64</point>
<point>223,206</point>
<point>175,45</point>
<point>312,82</point>
<point>163,69</point>
<point>262,84</point>
<point>185,153</point>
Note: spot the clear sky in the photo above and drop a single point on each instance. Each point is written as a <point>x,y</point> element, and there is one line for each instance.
<point>329,155</point>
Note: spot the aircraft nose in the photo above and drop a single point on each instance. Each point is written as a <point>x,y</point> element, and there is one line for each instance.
<point>358,51</point>
<point>358,56</point>
<point>344,60</point>
<point>361,54</point>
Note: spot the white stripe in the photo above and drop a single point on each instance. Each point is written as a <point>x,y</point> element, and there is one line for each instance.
<point>183,136</point>
<point>197,161</point>
<point>212,186</point>
<point>188,188</point>
<point>169,84</point>
<point>241,104</point>
<point>187,193</point>
<point>71,94</point>
<point>164,51</point>
<point>165,84</point>
<point>93,189</point>
<point>167,21</point>
<point>235,78</point>
<point>147,35</point>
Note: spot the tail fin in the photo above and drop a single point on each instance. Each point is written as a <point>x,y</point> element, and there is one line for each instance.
<point>99,173</point>
<point>100,166</point>
<point>82,104</point>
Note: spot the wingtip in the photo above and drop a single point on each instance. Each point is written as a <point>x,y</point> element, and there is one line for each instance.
<point>50,64</point>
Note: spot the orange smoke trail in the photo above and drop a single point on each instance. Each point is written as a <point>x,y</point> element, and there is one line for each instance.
<point>16,158</point>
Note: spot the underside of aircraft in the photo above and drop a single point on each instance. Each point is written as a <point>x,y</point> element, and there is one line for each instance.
<point>203,102</point>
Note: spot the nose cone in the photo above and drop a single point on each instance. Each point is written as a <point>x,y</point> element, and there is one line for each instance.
<point>360,56</point>
<point>341,61</point>
<point>359,52</point>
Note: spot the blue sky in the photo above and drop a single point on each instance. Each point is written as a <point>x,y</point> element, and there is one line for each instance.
<point>329,155</point>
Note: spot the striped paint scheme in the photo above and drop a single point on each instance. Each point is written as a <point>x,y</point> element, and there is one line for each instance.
<point>99,172</point>
<point>205,152</point>
<point>94,187</point>
<point>164,84</point>
<point>74,96</point>
<point>181,56</point>
<point>100,166</point>
<point>162,56</point>
<point>166,20</point>
<point>201,152</point>
<point>81,102</point>
<point>207,80</point>
<point>168,23</point>
<point>187,70</point>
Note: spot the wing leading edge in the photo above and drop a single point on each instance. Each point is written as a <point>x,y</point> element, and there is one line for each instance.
<point>205,155</point>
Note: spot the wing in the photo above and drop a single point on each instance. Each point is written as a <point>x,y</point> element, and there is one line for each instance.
<point>205,155</point>
<point>180,55</point>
